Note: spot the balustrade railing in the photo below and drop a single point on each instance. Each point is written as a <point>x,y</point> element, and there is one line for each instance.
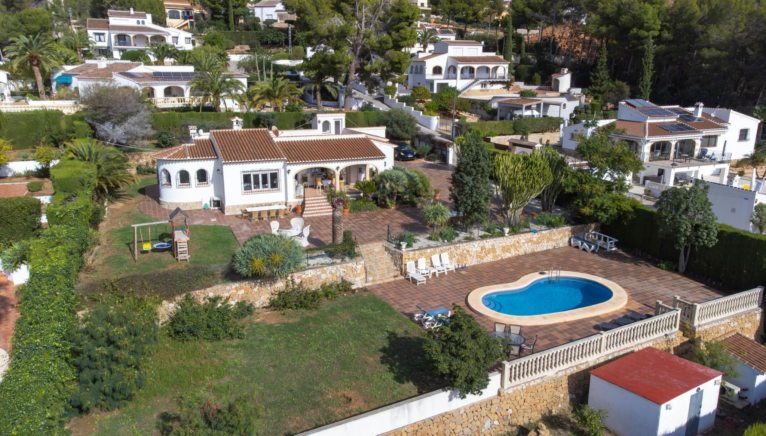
<point>697,314</point>
<point>67,109</point>
<point>175,100</point>
<point>567,355</point>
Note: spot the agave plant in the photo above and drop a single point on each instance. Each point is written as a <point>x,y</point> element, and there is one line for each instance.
<point>268,255</point>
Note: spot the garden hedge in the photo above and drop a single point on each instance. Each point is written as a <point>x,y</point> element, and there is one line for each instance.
<point>68,209</point>
<point>72,177</point>
<point>493,128</point>
<point>533,125</point>
<point>19,219</point>
<point>737,261</point>
<point>25,129</point>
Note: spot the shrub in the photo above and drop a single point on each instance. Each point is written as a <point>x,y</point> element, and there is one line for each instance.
<point>213,320</point>
<point>268,255</point>
<point>524,72</point>
<point>292,107</point>
<point>527,93</point>
<point>436,214</point>
<point>34,186</point>
<point>389,91</point>
<point>27,129</point>
<point>362,205</point>
<point>493,128</point>
<point>298,53</point>
<point>73,177</point>
<point>19,219</point>
<point>423,150</point>
<point>399,124</point>
<point>111,349</point>
<point>81,129</point>
<point>207,415</point>
<point>66,209</point>
<point>714,355</point>
<point>757,429</point>
<point>296,297</point>
<point>215,38</point>
<point>421,93</point>
<point>165,284</point>
<point>143,170</point>
<point>536,79</point>
<point>591,420</point>
<point>407,237</point>
<point>538,125</point>
<point>136,56</point>
<point>165,139</point>
<point>432,106</point>
<point>409,100</point>
<point>367,107</point>
<point>16,254</point>
<point>96,215</point>
<point>448,233</point>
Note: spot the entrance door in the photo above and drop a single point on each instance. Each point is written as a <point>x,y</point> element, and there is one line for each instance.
<point>695,410</point>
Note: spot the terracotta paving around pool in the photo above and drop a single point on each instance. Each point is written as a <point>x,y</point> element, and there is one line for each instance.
<point>9,312</point>
<point>644,283</point>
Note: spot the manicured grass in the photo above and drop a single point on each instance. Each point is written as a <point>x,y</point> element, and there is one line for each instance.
<point>309,368</point>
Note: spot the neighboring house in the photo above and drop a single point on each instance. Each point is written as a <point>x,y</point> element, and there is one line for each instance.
<point>180,13</point>
<point>129,30</point>
<point>271,10</point>
<point>422,4</point>
<point>5,87</point>
<point>165,86</point>
<point>651,392</point>
<point>460,64</point>
<point>443,34</point>
<point>734,206</point>
<point>751,366</point>
<point>243,168</point>
<point>570,134</point>
<point>684,142</point>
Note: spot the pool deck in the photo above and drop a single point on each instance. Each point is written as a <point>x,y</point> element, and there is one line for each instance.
<point>643,281</point>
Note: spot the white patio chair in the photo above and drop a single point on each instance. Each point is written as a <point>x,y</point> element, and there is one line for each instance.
<point>296,223</point>
<point>446,263</point>
<point>437,265</point>
<point>274,227</point>
<point>423,269</point>
<point>499,328</point>
<point>304,239</point>
<point>514,329</point>
<point>412,273</point>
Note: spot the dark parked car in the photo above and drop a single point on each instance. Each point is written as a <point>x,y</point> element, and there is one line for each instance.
<point>404,152</point>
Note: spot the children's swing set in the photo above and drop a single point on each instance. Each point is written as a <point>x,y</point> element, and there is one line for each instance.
<point>179,242</point>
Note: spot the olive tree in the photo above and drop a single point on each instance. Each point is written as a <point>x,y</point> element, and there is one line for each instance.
<point>758,218</point>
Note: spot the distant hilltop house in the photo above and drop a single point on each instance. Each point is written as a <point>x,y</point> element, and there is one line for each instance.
<point>677,144</point>
<point>180,13</point>
<point>165,86</point>
<point>443,34</point>
<point>271,10</point>
<point>129,30</point>
<point>238,168</point>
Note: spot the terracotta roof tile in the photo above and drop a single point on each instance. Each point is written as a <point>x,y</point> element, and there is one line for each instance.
<point>332,148</point>
<point>97,24</point>
<point>431,56</point>
<point>479,59</point>
<point>138,29</point>
<point>92,71</point>
<point>519,101</point>
<point>745,349</point>
<point>126,14</point>
<point>246,145</point>
<point>462,42</point>
<point>200,149</point>
<point>636,128</point>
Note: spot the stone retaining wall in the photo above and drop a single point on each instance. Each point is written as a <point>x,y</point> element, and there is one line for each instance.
<point>528,401</point>
<point>492,249</point>
<point>141,158</point>
<point>748,324</point>
<point>260,292</point>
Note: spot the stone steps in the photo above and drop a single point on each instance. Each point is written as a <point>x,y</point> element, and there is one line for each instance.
<point>378,264</point>
<point>317,206</point>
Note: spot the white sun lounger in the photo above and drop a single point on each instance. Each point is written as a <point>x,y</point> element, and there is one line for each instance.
<point>413,274</point>
<point>437,265</point>
<point>423,269</point>
<point>446,263</point>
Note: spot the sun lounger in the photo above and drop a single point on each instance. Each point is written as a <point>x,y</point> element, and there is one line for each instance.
<point>624,321</point>
<point>437,265</point>
<point>637,316</point>
<point>446,263</point>
<point>582,244</point>
<point>423,269</point>
<point>413,274</point>
<point>604,326</point>
<point>608,243</point>
<point>432,318</point>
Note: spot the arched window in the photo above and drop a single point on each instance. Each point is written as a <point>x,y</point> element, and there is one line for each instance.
<point>174,15</point>
<point>563,106</point>
<point>452,70</point>
<point>202,179</point>
<point>165,178</point>
<point>326,127</point>
<point>437,70</point>
<point>182,179</point>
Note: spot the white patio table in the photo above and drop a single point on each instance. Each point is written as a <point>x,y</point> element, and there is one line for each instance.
<point>262,208</point>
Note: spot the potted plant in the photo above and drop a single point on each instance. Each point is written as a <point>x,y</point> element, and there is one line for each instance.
<point>299,208</point>
<point>436,193</point>
<point>345,210</point>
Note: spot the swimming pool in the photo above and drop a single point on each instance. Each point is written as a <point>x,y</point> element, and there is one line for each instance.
<point>545,296</point>
<point>536,300</point>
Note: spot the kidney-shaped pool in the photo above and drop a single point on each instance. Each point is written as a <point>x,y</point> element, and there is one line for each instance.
<point>537,300</point>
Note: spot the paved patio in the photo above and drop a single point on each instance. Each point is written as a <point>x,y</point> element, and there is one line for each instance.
<point>9,312</point>
<point>643,282</point>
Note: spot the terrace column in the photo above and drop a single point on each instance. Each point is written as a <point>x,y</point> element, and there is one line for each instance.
<point>724,175</point>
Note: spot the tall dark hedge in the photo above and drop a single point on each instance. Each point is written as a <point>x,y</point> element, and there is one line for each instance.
<point>71,177</point>
<point>25,129</point>
<point>737,261</point>
<point>19,219</point>
<point>533,125</point>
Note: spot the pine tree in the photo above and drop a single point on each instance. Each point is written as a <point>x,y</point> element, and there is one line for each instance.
<point>471,191</point>
<point>508,49</point>
<point>599,78</point>
<point>645,83</point>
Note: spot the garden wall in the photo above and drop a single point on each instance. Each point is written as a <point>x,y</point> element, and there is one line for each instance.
<point>492,249</point>
<point>748,324</point>
<point>141,158</point>
<point>426,121</point>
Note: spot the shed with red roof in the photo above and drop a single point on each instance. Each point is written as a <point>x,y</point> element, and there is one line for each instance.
<point>651,392</point>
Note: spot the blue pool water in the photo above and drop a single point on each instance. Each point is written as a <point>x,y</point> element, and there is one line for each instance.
<point>543,296</point>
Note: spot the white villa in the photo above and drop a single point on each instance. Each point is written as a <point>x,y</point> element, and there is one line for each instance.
<point>460,64</point>
<point>270,10</point>
<point>443,33</point>
<point>166,86</point>
<point>675,142</point>
<point>129,30</point>
<point>239,168</point>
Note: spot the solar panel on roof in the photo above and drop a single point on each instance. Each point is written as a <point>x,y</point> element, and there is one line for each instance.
<point>638,103</point>
<point>132,75</point>
<point>678,110</point>
<point>689,118</point>
<point>677,127</point>
<point>656,112</point>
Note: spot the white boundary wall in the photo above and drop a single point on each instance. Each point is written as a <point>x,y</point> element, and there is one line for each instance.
<point>426,121</point>
<point>12,168</point>
<point>406,412</point>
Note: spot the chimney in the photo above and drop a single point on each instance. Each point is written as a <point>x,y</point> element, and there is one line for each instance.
<point>646,129</point>
<point>698,109</point>
<point>101,63</point>
<point>564,70</point>
<point>131,11</point>
<point>192,132</point>
<point>236,123</point>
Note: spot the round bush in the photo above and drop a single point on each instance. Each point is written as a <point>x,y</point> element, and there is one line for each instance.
<point>34,186</point>
<point>268,255</point>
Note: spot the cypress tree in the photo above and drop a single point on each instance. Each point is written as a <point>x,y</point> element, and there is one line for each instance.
<point>599,78</point>
<point>508,49</point>
<point>231,16</point>
<point>645,83</point>
<point>471,191</point>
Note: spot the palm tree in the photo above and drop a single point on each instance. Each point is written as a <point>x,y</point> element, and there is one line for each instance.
<point>111,165</point>
<point>77,41</point>
<point>214,86</point>
<point>36,52</point>
<point>206,62</point>
<point>318,82</point>
<point>277,91</point>
<point>161,51</point>
<point>760,113</point>
<point>426,38</point>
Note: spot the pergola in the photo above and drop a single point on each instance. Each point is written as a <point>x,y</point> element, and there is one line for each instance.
<point>522,103</point>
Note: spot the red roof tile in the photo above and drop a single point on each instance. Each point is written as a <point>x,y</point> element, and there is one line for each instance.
<point>97,24</point>
<point>332,148</point>
<point>125,14</point>
<point>636,128</point>
<point>200,149</point>
<point>246,145</point>
<point>745,349</point>
<point>137,29</point>
<point>91,70</point>
<point>655,375</point>
<point>431,56</point>
<point>462,42</point>
<point>479,59</point>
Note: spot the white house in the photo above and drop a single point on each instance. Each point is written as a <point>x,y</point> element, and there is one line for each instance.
<point>180,13</point>
<point>241,168</point>
<point>571,133</point>
<point>751,367</point>
<point>460,64</point>
<point>443,34</point>
<point>674,141</point>
<point>166,86</point>
<point>733,205</point>
<point>651,392</point>
<point>123,31</point>
<point>5,87</point>
<point>270,10</point>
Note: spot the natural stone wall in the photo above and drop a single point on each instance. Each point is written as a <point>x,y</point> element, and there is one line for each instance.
<point>748,324</point>
<point>492,249</point>
<point>144,158</point>
<point>261,291</point>
<point>190,205</point>
<point>528,401</point>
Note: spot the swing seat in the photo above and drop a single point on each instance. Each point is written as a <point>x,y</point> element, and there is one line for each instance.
<point>147,246</point>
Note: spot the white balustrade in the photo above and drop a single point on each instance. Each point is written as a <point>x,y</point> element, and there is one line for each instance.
<point>726,306</point>
<point>587,349</point>
<point>66,109</point>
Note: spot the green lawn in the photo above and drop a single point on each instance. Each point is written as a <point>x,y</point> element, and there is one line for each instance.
<point>309,369</point>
